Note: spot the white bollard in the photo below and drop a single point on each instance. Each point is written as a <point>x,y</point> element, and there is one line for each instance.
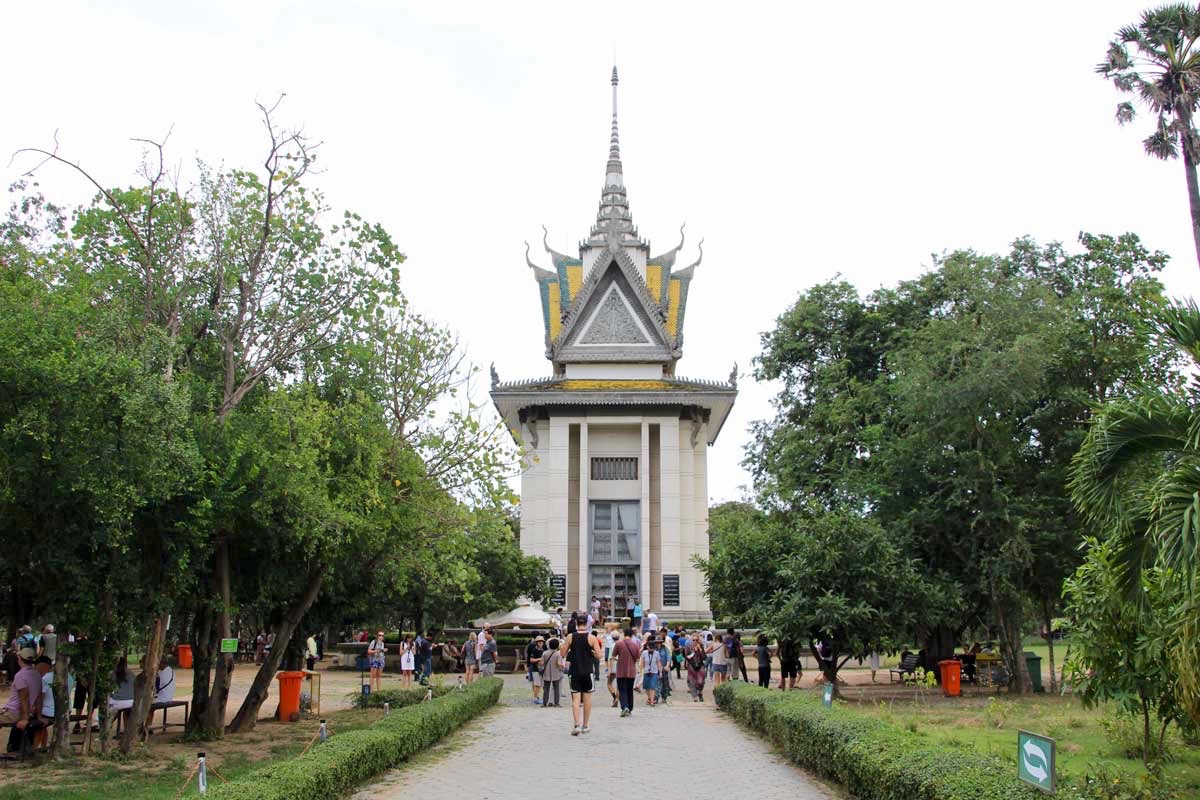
<point>429,694</point>
<point>324,731</point>
<point>387,709</point>
<point>201,773</point>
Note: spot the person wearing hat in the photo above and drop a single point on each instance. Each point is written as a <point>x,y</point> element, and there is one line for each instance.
<point>26,698</point>
<point>533,663</point>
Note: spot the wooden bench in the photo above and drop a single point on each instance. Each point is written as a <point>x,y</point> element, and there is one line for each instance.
<point>908,665</point>
<point>186,705</point>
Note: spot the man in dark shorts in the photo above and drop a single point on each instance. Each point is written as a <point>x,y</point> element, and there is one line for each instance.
<point>581,650</point>
<point>789,664</point>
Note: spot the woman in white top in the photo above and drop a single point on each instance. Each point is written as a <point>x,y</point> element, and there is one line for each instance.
<point>407,660</point>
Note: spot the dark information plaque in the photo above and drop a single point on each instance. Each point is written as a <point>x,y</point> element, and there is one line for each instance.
<point>559,582</point>
<point>670,590</point>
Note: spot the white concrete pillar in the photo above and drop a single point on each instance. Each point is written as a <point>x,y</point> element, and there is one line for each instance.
<point>644,516</point>
<point>585,475</point>
<point>668,464</point>
<point>687,518</point>
<point>557,493</point>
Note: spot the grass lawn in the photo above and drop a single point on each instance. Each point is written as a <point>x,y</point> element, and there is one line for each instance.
<point>156,772</point>
<point>990,724</point>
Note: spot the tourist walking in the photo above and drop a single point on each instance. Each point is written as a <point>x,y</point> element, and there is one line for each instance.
<point>762,653</point>
<point>581,649</point>
<point>651,666</point>
<point>720,660</point>
<point>487,658</point>
<point>736,656</point>
<point>533,666</point>
<point>696,670</point>
<point>627,652</point>
<point>376,660</point>
<point>637,615</point>
<point>470,660</point>
<point>789,664</point>
<point>407,660</point>
<point>666,655</point>
<point>552,673</point>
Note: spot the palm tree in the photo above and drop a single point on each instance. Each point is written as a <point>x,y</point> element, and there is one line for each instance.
<point>1137,477</point>
<point>1163,72</point>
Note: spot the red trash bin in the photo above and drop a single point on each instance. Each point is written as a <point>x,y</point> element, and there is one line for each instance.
<point>289,694</point>
<point>951,677</point>
<point>183,654</point>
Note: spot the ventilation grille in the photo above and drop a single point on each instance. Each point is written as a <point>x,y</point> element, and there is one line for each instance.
<point>615,469</point>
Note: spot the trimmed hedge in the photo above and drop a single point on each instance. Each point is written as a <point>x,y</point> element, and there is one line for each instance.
<point>874,760</point>
<point>395,698</point>
<point>332,768</point>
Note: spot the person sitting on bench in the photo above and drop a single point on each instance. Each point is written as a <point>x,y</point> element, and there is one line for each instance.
<point>164,683</point>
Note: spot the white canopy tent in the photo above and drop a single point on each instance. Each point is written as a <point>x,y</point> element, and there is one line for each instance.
<point>527,614</point>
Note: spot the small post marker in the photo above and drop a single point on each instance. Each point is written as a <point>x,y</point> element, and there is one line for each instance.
<point>460,682</point>
<point>201,773</point>
<point>387,709</point>
<point>324,732</point>
<point>827,696</point>
<point>429,694</point>
<point>1035,760</point>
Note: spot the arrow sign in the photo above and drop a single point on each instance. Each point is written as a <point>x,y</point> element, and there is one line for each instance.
<point>1035,760</point>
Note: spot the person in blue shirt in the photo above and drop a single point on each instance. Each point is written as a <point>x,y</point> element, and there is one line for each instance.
<point>664,677</point>
<point>637,615</point>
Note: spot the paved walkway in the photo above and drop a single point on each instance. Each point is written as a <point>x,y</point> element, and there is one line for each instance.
<point>520,751</point>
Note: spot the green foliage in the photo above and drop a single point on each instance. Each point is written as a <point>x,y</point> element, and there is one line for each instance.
<point>395,698</point>
<point>1121,647</point>
<point>336,766</point>
<point>872,759</point>
<point>948,409</point>
<point>832,576</point>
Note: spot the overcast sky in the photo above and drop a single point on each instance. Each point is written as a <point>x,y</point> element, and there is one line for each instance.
<point>799,140</point>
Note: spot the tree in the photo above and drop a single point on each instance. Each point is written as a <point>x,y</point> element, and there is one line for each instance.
<point>1137,479</point>
<point>1122,650</point>
<point>831,577</point>
<point>948,408</point>
<point>1163,73</point>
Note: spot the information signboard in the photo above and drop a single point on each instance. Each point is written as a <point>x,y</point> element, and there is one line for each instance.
<point>229,645</point>
<point>670,591</point>
<point>559,582</point>
<point>1035,760</point>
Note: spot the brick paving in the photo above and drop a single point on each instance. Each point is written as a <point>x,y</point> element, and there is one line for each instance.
<point>522,751</point>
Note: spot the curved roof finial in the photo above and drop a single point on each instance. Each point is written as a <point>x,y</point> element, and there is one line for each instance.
<point>538,272</point>
<point>696,263</point>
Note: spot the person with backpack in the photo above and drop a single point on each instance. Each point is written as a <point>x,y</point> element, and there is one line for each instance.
<point>581,649</point>
<point>735,656</point>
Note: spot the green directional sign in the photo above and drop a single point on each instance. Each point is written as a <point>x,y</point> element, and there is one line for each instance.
<point>1035,760</point>
<point>229,645</point>
<point>827,696</point>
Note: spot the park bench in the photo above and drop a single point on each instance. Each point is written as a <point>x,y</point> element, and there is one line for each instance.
<point>184,704</point>
<point>908,665</point>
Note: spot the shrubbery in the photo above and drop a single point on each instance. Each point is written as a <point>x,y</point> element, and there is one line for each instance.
<point>395,698</point>
<point>874,760</point>
<point>332,768</point>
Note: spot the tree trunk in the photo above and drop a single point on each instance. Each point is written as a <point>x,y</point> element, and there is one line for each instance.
<point>1019,682</point>
<point>91,700</point>
<point>1049,622</point>
<point>62,707</point>
<point>1193,187</point>
<point>219,699</point>
<point>1145,732</point>
<point>202,653</point>
<point>143,685</point>
<point>247,715</point>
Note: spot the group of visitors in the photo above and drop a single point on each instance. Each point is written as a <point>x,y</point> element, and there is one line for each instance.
<point>641,659</point>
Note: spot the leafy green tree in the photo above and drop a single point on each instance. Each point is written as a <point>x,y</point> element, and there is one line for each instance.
<point>1137,478</point>
<point>1122,650</point>
<point>1163,73</point>
<point>949,407</point>
<point>829,576</point>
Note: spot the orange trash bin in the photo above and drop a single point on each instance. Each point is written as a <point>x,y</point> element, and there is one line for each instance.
<point>183,654</point>
<point>951,677</point>
<point>289,694</point>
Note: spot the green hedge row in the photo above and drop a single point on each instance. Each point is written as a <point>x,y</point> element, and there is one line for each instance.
<point>874,760</point>
<point>395,698</point>
<point>332,768</point>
